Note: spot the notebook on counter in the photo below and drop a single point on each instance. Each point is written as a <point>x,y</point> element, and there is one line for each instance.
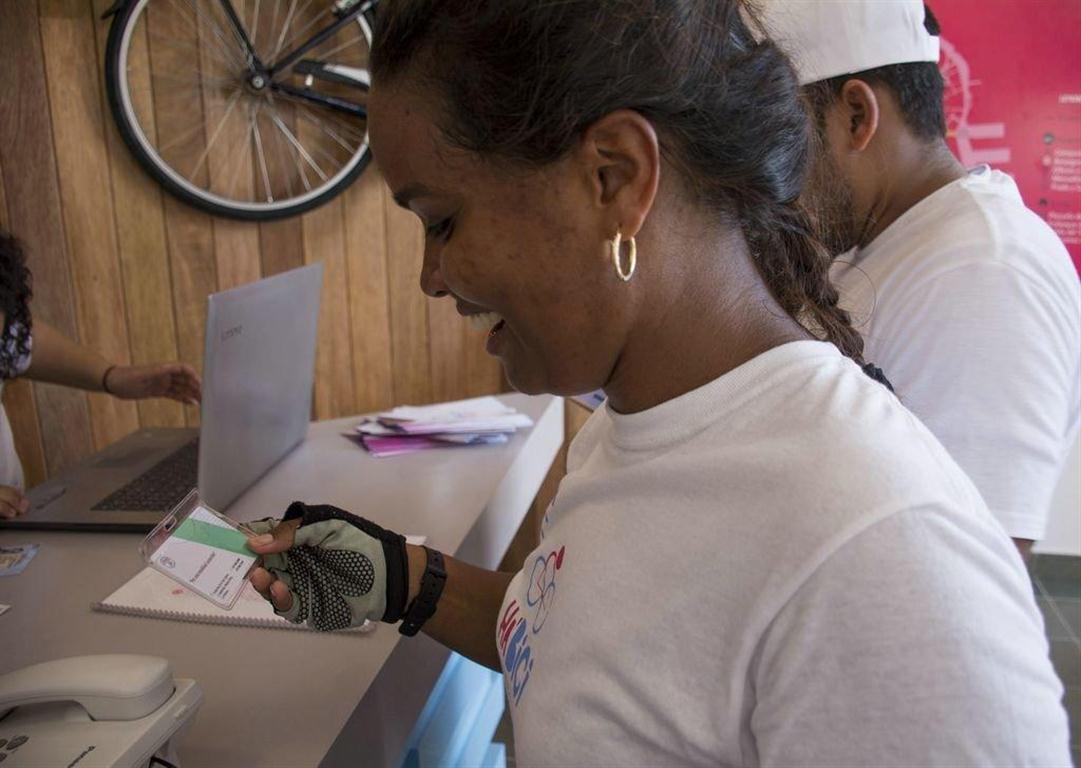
<point>153,594</point>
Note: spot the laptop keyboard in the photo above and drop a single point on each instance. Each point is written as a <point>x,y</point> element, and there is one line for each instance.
<point>161,487</point>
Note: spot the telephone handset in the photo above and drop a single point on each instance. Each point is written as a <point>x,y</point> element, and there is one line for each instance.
<point>108,710</point>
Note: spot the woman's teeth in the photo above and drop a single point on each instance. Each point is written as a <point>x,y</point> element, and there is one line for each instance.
<point>485,321</point>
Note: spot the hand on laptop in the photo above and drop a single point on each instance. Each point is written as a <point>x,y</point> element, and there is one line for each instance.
<point>176,381</point>
<point>13,502</point>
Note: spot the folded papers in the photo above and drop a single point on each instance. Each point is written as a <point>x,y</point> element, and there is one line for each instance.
<point>408,428</point>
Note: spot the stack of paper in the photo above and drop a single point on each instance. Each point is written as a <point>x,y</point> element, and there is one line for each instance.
<point>480,421</point>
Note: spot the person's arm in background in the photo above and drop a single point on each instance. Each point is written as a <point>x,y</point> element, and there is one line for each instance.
<point>58,360</point>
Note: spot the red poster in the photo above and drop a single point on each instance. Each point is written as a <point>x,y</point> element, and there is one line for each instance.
<point>1013,98</point>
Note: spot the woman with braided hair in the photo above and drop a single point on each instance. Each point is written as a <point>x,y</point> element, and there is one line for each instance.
<point>32,348</point>
<point>758,555</point>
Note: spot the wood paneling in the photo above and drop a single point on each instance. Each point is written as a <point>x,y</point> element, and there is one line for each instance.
<point>19,403</point>
<point>34,214</point>
<point>324,240</point>
<point>143,248</point>
<point>408,307</point>
<point>125,268</point>
<point>179,120</point>
<point>67,35</point>
<point>366,244</point>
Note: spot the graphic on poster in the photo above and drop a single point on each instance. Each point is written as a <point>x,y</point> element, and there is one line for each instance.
<point>1012,70</point>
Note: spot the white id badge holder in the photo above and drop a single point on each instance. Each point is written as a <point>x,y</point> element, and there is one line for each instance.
<point>201,549</point>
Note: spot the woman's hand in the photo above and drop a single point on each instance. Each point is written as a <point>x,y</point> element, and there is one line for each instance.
<point>329,569</point>
<point>268,585</point>
<point>176,381</point>
<point>13,502</point>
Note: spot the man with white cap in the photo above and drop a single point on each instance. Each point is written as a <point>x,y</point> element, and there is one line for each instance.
<point>967,299</point>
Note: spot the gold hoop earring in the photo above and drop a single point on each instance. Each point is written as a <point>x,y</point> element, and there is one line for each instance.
<point>617,261</point>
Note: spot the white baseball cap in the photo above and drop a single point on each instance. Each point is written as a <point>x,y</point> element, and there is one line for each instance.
<point>828,38</point>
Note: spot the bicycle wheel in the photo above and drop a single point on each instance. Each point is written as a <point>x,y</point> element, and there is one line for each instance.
<point>250,109</point>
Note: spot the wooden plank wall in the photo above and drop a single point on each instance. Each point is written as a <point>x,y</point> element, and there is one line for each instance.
<point>125,268</point>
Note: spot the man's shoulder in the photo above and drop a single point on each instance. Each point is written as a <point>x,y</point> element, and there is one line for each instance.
<point>972,226</point>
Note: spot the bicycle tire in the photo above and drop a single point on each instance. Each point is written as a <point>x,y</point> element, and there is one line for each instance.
<point>154,165</point>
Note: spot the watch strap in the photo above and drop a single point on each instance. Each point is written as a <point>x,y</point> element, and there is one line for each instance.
<point>431,587</point>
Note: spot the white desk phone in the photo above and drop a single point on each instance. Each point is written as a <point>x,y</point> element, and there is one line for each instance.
<point>116,710</point>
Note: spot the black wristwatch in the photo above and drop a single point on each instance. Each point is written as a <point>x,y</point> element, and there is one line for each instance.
<point>431,587</point>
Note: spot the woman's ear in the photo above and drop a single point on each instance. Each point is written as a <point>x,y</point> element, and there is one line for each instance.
<point>622,156</point>
<point>861,110</point>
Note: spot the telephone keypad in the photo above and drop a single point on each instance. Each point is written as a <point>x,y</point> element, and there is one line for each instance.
<point>17,742</point>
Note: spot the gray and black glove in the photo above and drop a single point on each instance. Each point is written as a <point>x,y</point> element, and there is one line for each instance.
<point>341,569</point>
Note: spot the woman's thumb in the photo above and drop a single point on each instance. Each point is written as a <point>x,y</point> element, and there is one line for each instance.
<point>278,540</point>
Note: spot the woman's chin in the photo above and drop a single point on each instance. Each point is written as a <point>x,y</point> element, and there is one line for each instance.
<point>524,380</point>
<point>541,383</point>
<point>525,386</point>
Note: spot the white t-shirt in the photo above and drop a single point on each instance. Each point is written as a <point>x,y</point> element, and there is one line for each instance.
<point>971,306</point>
<point>11,469</point>
<point>782,567</point>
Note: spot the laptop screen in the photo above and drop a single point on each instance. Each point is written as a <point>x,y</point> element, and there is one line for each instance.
<point>258,371</point>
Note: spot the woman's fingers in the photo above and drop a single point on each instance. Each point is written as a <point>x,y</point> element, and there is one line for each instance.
<point>266,584</point>
<point>280,596</point>
<point>192,384</point>
<point>261,579</point>
<point>272,589</point>
<point>184,384</point>
<point>13,502</point>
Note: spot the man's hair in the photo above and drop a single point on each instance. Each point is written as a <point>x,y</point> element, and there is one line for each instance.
<point>917,86</point>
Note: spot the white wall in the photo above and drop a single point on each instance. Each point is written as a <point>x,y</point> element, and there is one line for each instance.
<point>1064,525</point>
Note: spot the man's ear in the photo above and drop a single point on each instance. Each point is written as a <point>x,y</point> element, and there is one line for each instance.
<point>621,153</point>
<point>861,110</point>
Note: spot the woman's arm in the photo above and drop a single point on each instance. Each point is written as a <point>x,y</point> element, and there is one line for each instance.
<point>468,610</point>
<point>58,360</point>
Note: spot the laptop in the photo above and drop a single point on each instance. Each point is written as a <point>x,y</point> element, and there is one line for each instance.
<point>258,370</point>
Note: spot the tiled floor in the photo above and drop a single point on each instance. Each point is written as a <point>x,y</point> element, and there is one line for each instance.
<point>1057,581</point>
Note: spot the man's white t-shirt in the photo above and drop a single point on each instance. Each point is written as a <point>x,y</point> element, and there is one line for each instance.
<point>971,306</point>
<point>782,567</point>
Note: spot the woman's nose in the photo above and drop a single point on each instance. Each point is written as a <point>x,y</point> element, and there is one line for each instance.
<point>431,278</point>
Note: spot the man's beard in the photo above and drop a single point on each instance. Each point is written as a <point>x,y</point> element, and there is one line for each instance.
<point>830,200</point>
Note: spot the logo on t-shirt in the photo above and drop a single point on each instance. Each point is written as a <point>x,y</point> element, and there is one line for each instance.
<point>517,623</point>
<point>542,586</point>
